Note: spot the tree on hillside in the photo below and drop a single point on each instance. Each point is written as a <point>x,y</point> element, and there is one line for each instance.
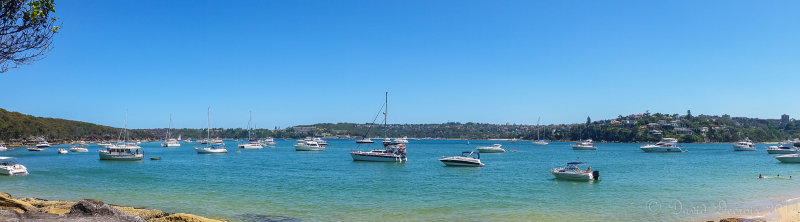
<point>26,30</point>
<point>588,120</point>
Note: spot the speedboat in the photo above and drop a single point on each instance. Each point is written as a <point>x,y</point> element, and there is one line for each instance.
<point>320,141</point>
<point>10,166</point>
<point>783,148</point>
<point>269,141</point>
<point>104,145</point>
<point>62,151</point>
<point>306,145</point>
<point>251,144</point>
<point>187,140</point>
<point>171,143</point>
<point>584,145</point>
<point>83,143</point>
<point>122,152</point>
<point>43,144</point>
<point>495,148</point>
<point>3,147</point>
<point>666,145</point>
<point>573,172</point>
<point>211,149</point>
<point>789,158</point>
<point>465,160</point>
<point>744,145</point>
<point>540,142</point>
<point>365,140</point>
<point>390,153</point>
<point>34,149</point>
<point>401,140</point>
<point>76,149</point>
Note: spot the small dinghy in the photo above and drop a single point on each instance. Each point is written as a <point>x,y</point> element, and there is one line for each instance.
<point>155,158</point>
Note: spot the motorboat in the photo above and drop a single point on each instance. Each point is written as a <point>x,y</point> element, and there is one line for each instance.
<point>76,149</point>
<point>365,140</point>
<point>83,143</point>
<point>789,158</point>
<point>495,148</point>
<point>573,172</point>
<point>783,148</point>
<point>666,145</point>
<point>584,145</point>
<point>62,151</point>
<point>122,152</point>
<point>251,144</point>
<point>212,146</point>
<point>269,141</point>
<point>744,145</point>
<point>3,147</point>
<point>320,141</point>
<point>171,143</point>
<point>540,142</point>
<point>188,140</point>
<point>10,166</point>
<point>465,160</point>
<point>391,152</point>
<point>35,149</point>
<point>211,149</point>
<point>104,145</point>
<point>43,144</point>
<point>306,145</point>
<point>401,140</point>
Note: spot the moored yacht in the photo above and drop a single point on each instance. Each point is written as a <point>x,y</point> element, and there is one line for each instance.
<point>744,145</point>
<point>539,141</point>
<point>62,151</point>
<point>784,148</point>
<point>104,145</point>
<point>10,166</point>
<point>788,158</point>
<point>251,143</point>
<point>43,144</point>
<point>308,145</point>
<point>666,145</point>
<point>465,160</point>
<point>170,142</point>
<point>76,149</point>
<point>495,148</point>
<point>391,152</point>
<point>401,140</point>
<point>212,146</point>
<point>584,145</point>
<point>269,141</point>
<point>320,141</point>
<point>573,172</point>
<point>365,140</point>
<point>122,152</point>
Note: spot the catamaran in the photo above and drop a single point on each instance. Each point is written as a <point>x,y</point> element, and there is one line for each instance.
<point>251,143</point>
<point>211,146</point>
<point>170,142</point>
<point>391,152</point>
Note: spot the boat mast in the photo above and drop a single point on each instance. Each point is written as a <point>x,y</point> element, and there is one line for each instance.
<point>170,126</point>
<point>386,110</point>
<point>125,126</point>
<point>208,130</point>
<point>537,128</point>
<point>248,125</point>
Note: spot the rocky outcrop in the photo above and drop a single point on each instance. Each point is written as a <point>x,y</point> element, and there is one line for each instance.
<point>735,219</point>
<point>96,208</point>
<point>183,218</point>
<point>147,214</point>
<point>9,203</point>
<point>50,206</point>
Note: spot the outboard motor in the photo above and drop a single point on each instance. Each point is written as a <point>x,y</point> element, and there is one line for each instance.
<point>596,175</point>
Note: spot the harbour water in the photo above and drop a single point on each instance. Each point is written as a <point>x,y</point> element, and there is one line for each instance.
<point>709,181</point>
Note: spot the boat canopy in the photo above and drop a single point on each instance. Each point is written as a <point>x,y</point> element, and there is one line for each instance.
<point>574,163</point>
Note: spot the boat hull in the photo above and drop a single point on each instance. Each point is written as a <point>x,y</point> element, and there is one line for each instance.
<point>583,177</point>
<point>170,145</point>
<point>584,148</point>
<point>782,151</point>
<point>117,157</point>
<point>739,148</point>
<point>78,150</point>
<point>210,151</point>
<point>458,163</point>
<point>307,148</point>
<point>789,158</point>
<point>491,150</point>
<point>376,158</point>
<point>662,150</point>
<point>250,146</point>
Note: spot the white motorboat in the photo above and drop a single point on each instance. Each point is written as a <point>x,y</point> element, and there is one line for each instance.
<point>539,141</point>
<point>365,140</point>
<point>35,149</point>
<point>573,172</point>
<point>188,140</point>
<point>584,145</point>
<point>401,140</point>
<point>744,145</point>
<point>784,148</point>
<point>789,158</point>
<point>251,144</point>
<point>320,141</point>
<point>465,160</point>
<point>269,141</point>
<point>3,147</point>
<point>495,148</point>
<point>104,145</point>
<point>212,146</point>
<point>306,145</point>
<point>83,143</point>
<point>76,149</point>
<point>171,143</point>
<point>666,145</point>
<point>62,151</point>
<point>10,166</point>
<point>43,144</point>
<point>122,152</point>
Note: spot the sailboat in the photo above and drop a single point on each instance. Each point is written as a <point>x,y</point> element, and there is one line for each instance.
<point>211,148</point>
<point>124,150</point>
<point>170,142</point>
<point>539,142</point>
<point>251,143</point>
<point>391,152</point>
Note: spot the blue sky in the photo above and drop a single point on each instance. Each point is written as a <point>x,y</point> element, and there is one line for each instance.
<point>303,62</point>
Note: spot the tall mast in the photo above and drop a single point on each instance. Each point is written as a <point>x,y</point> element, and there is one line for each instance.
<point>125,125</point>
<point>248,125</point>
<point>170,126</point>
<point>537,127</point>
<point>208,130</point>
<point>386,106</point>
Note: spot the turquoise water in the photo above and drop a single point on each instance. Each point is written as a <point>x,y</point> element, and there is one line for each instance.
<point>709,181</point>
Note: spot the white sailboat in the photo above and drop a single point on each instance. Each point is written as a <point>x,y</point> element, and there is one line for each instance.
<point>126,151</point>
<point>539,142</point>
<point>251,143</point>
<point>211,148</point>
<point>170,142</point>
<point>391,152</point>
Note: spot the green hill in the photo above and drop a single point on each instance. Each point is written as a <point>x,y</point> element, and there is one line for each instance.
<point>20,128</point>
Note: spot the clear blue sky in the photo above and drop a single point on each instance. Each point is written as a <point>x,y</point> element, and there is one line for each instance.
<point>303,62</point>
